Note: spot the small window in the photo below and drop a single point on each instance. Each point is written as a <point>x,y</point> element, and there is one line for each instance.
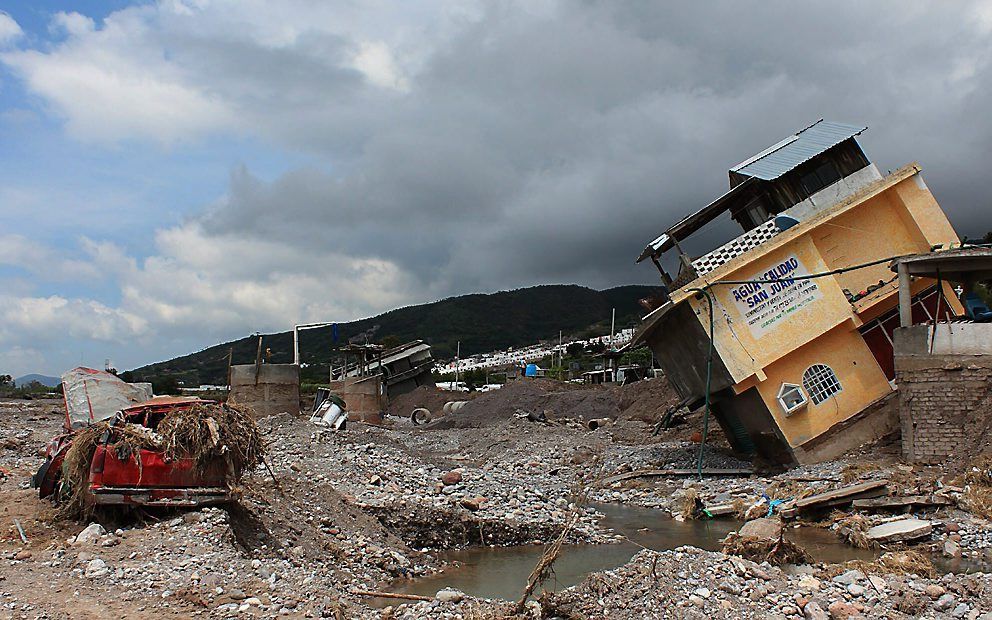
<point>791,398</point>
<point>823,175</point>
<point>820,382</point>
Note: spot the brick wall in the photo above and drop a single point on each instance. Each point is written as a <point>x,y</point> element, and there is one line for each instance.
<point>944,403</point>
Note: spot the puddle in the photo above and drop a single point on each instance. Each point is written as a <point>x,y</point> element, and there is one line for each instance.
<point>502,572</point>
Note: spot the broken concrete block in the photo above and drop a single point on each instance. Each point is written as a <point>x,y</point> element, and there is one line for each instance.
<point>719,510</point>
<point>904,529</point>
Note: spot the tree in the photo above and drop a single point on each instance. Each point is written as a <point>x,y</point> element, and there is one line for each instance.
<point>166,384</point>
<point>6,381</point>
<point>391,341</point>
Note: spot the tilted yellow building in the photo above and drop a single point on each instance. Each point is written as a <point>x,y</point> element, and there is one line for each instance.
<point>802,367</point>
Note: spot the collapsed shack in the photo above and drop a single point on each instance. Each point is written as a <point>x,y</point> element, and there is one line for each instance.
<point>164,451</point>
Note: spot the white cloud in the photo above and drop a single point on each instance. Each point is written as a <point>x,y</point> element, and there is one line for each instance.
<point>10,31</point>
<point>175,71</point>
<point>375,60</point>
<point>27,319</point>
<point>39,260</point>
<point>233,284</point>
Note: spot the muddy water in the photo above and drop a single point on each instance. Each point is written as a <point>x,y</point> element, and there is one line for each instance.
<point>502,572</point>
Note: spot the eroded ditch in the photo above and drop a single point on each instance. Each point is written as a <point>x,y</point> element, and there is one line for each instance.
<point>501,572</point>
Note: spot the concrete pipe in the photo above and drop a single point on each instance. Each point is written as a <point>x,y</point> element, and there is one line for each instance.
<point>453,406</point>
<point>420,416</point>
<point>595,423</point>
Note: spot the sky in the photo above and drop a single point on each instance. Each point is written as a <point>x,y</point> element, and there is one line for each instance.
<point>180,173</point>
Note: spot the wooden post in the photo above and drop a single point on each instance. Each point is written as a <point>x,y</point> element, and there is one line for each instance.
<point>258,359</point>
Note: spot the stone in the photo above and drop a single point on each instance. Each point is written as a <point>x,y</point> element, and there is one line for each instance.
<point>840,610</point>
<point>809,582</point>
<point>449,595</point>
<point>878,583</point>
<point>813,611</point>
<point>96,568</point>
<point>896,531</point>
<point>934,591</point>
<point>855,589</point>
<point>695,600</point>
<point>944,603</point>
<point>702,592</point>
<point>849,577</point>
<point>452,477</point>
<point>90,535</point>
<point>22,555</point>
<point>762,529</point>
<point>951,549</point>
<point>952,527</point>
<point>960,610</point>
<point>472,503</point>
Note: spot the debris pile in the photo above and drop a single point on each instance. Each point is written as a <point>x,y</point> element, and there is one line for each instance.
<point>208,434</point>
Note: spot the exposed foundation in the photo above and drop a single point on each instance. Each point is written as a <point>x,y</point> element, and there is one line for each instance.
<point>266,389</point>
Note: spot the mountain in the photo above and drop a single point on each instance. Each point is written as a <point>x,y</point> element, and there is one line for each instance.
<point>482,322</point>
<point>42,379</point>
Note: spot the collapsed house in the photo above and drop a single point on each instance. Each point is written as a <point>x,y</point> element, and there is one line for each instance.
<point>372,374</point>
<point>801,368</point>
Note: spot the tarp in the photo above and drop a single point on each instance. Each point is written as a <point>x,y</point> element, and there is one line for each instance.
<point>95,395</point>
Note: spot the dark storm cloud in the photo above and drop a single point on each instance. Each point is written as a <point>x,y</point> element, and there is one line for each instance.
<point>550,147</point>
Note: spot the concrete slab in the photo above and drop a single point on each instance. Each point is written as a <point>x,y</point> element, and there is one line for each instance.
<point>843,495</point>
<point>903,529</point>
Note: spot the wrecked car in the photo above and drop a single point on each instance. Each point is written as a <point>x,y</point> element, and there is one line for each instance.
<point>120,457</point>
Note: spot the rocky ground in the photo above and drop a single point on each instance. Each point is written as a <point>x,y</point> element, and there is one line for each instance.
<point>359,509</point>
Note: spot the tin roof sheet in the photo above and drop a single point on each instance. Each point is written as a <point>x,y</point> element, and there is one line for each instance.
<point>783,156</point>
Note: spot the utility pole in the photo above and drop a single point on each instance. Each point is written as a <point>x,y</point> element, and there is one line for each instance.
<point>458,361</point>
<point>613,323</point>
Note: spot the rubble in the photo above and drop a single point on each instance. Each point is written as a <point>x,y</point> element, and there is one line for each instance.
<point>367,508</point>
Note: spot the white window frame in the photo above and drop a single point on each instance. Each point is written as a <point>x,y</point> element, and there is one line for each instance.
<point>791,387</point>
<point>821,387</point>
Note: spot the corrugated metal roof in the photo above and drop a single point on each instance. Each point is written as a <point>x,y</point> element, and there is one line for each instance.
<point>782,157</point>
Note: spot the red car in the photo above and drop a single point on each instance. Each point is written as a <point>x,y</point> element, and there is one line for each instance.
<point>120,479</point>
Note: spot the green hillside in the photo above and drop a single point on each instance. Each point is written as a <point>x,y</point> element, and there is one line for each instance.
<point>481,322</point>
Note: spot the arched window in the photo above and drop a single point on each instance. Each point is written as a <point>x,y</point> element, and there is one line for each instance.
<point>820,382</point>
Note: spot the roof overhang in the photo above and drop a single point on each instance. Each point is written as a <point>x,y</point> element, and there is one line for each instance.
<point>957,265</point>
<point>691,223</point>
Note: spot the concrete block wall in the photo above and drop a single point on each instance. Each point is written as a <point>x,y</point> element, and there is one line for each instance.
<point>944,401</point>
<point>277,389</point>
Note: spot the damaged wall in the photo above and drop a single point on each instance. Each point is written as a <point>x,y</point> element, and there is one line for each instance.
<point>277,389</point>
<point>945,401</point>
